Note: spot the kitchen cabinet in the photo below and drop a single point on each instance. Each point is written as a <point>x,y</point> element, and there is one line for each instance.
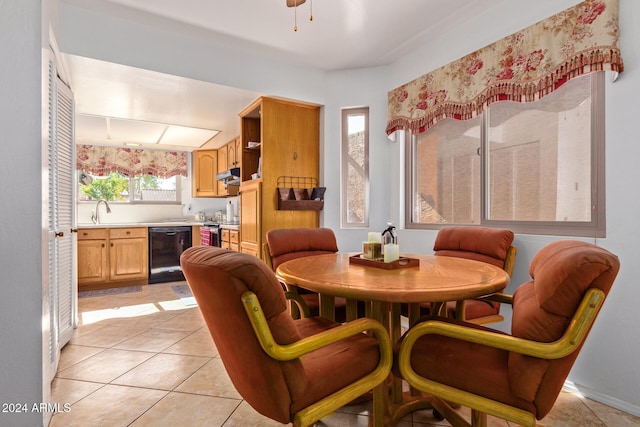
<point>112,257</point>
<point>128,254</point>
<point>280,138</point>
<point>222,166</point>
<point>229,157</point>
<point>250,217</point>
<point>93,256</point>
<point>230,239</point>
<point>196,240</point>
<point>205,168</point>
<point>234,153</point>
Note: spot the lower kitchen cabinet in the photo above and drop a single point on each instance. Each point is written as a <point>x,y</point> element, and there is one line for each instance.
<point>112,257</point>
<point>93,256</point>
<point>230,239</point>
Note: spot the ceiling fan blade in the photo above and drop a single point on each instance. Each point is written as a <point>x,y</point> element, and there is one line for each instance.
<point>293,3</point>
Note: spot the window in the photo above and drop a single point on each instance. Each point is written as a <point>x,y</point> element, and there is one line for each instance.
<point>532,167</point>
<point>355,167</point>
<point>117,187</point>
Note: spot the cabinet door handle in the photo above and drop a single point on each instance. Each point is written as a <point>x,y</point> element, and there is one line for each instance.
<point>102,245</point>
<point>59,234</point>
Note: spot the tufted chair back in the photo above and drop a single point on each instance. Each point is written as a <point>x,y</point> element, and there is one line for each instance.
<point>290,243</point>
<point>561,273</point>
<point>484,244</point>
<point>490,245</point>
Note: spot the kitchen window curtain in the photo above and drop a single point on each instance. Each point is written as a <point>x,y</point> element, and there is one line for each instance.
<point>101,160</point>
<point>522,67</point>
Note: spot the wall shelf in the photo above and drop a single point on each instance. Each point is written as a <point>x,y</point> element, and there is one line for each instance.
<point>299,193</point>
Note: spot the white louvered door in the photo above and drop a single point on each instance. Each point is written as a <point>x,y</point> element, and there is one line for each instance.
<point>62,289</point>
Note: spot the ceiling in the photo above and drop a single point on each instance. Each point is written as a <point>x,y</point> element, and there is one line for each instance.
<point>343,34</point>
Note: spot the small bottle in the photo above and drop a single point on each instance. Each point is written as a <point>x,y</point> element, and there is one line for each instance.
<point>389,235</point>
<point>390,248</point>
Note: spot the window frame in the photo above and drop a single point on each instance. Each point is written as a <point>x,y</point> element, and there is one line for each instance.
<point>344,167</point>
<point>596,228</point>
<point>131,190</point>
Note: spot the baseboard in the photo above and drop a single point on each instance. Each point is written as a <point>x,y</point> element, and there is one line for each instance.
<point>603,398</point>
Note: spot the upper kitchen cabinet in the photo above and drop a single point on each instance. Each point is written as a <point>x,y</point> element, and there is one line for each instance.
<point>234,153</point>
<point>205,168</point>
<point>280,138</point>
<point>228,159</point>
<point>222,166</point>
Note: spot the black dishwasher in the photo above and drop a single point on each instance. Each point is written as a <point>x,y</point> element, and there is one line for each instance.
<point>166,244</point>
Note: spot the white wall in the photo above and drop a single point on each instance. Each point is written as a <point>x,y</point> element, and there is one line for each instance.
<point>607,369</point>
<point>23,32</point>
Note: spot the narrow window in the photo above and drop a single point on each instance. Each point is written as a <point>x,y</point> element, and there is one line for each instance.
<point>355,167</point>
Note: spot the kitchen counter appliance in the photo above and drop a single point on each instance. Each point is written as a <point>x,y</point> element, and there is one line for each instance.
<point>166,244</point>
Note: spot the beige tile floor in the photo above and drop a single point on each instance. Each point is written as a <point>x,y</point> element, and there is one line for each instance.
<point>145,359</point>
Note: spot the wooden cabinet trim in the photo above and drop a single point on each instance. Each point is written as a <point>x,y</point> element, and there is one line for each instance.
<point>128,233</point>
<point>92,233</point>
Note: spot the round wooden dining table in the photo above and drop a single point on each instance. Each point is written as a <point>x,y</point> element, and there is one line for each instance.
<point>435,280</point>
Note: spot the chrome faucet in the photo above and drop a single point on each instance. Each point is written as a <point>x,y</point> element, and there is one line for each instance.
<point>95,217</point>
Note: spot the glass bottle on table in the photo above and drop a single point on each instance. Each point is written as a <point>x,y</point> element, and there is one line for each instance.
<point>390,248</point>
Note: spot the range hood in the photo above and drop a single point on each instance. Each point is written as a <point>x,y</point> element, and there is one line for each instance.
<point>229,177</point>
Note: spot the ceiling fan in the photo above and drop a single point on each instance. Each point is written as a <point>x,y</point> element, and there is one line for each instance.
<point>294,4</point>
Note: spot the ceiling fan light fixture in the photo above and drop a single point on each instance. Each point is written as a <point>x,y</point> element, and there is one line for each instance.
<point>294,4</point>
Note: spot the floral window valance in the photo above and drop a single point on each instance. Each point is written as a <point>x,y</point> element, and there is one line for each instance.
<point>101,160</point>
<point>522,67</point>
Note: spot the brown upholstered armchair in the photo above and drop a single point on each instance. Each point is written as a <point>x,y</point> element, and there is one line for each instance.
<point>292,371</point>
<point>490,245</point>
<point>516,377</point>
<point>285,244</point>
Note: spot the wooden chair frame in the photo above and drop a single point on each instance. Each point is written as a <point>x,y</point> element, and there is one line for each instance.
<point>509,264</point>
<point>374,380</point>
<point>574,335</point>
<point>298,310</point>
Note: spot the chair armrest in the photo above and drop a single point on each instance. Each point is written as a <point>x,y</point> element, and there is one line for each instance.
<point>297,299</point>
<point>498,297</point>
<point>570,340</point>
<point>573,336</point>
<point>306,345</point>
<point>314,342</point>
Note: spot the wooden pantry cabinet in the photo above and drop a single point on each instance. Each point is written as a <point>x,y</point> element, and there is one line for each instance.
<point>280,138</point>
<point>112,257</point>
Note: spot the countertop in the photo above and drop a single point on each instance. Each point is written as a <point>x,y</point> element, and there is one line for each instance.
<point>154,224</point>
